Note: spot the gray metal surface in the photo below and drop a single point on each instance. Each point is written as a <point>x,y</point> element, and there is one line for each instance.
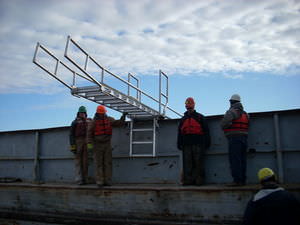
<point>126,204</point>
<point>43,155</point>
<point>146,189</point>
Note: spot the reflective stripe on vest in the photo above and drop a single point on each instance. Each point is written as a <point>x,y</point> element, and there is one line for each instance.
<point>80,128</point>
<point>103,126</point>
<point>239,124</point>
<point>191,126</point>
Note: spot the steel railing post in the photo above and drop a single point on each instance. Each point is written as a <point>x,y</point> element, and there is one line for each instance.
<point>278,148</point>
<point>36,170</point>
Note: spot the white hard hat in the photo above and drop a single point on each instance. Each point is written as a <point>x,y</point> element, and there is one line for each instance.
<point>235,97</point>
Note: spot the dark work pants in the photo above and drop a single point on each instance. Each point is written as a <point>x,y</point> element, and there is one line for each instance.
<point>237,146</point>
<point>103,161</point>
<point>81,160</point>
<point>193,164</point>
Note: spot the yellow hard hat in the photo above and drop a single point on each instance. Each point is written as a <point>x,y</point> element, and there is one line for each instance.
<point>265,173</point>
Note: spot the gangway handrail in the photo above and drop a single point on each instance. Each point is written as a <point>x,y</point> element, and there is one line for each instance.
<point>166,96</point>
<point>101,67</point>
<point>102,86</point>
<point>138,94</point>
<point>58,62</point>
<point>107,71</point>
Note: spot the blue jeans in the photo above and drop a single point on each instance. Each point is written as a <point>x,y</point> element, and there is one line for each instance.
<point>237,146</point>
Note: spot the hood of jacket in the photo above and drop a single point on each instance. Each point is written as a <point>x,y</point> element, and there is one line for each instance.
<point>265,192</point>
<point>237,106</point>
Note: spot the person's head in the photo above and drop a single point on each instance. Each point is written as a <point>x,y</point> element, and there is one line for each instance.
<point>190,104</point>
<point>82,112</point>
<point>266,176</point>
<point>234,99</point>
<point>101,110</point>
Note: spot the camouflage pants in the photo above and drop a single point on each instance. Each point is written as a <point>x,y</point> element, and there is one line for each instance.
<point>103,162</point>
<point>81,160</point>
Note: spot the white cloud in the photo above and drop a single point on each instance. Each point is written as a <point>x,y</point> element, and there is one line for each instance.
<point>143,36</point>
<point>233,76</point>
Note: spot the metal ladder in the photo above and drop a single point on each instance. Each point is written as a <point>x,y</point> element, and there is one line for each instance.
<point>151,142</point>
<point>101,93</point>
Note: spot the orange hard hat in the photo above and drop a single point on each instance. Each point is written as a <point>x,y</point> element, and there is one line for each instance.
<point>101,109</point>
<point>189,103</point>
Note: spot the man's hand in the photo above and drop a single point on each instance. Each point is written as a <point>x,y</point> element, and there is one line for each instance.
<point>124,114</point>
<point>90,146</point>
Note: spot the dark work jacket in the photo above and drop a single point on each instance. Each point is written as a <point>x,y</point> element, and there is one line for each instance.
<point>272,207</point>
<point>74,132</point>
<point>191,139</point>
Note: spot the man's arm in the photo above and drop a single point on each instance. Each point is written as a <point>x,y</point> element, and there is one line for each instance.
<point>118,123</point>
<point>249,215</point>
<point>206,132</point>
<point>227,119</point>
<point>179,136</point>
<point>72,133</point>
<point>90,131</point>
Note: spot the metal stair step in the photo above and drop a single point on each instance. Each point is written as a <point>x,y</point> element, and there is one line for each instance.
<point>142,129</point>
<point>142,142</point>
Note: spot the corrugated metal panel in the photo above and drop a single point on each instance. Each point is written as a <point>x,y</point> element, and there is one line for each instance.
<point>44,154</point>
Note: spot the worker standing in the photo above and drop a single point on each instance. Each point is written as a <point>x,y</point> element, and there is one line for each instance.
<point>99,136</point>
<point>78,145</point>
<point>272,205</point>
<point>235,124</point>
<point>193,138</point>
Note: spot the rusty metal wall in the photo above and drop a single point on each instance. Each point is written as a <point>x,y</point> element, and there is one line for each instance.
<point>128,205</point>
<point>43,155</point>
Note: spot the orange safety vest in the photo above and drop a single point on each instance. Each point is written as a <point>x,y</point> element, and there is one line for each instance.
<point>191,126</point>
<point>239,124</point>
<point>103,126</point>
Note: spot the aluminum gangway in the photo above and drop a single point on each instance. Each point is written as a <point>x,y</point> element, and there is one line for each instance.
<point>100,92</point>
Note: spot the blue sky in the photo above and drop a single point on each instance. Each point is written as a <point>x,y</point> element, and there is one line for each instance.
<point>209,49</point>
